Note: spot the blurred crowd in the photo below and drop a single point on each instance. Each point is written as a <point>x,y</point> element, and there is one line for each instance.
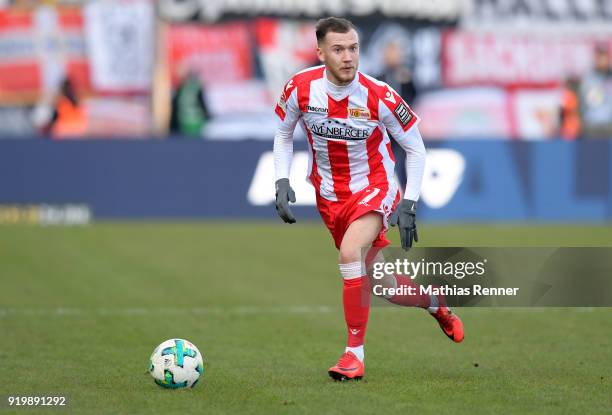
<point>85,70</point>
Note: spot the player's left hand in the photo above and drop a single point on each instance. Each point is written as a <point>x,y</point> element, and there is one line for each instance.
<point>405,217</point>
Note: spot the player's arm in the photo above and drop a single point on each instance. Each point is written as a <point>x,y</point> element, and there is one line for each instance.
<point>288,113</point>
<point>401,123</point>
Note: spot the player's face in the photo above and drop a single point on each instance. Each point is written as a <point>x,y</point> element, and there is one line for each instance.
<point>340,54</point>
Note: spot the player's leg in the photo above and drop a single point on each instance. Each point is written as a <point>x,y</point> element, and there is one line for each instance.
<point>355,293</point>
<point>398,285</point>
<point>449,322</point>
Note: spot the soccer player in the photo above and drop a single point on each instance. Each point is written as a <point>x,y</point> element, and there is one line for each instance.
<point>347,116</point>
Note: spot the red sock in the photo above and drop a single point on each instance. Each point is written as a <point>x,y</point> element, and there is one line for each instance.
<point>407,300</point>
<point>356,300</point>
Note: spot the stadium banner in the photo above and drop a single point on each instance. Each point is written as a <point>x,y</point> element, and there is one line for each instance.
<point>218,53</point>
<point>486,112</point>
<point>118,117</point>
<point>516,58</point>
<point>594,16</point>
<point>284,48</point>
<point>475,113</point>
<point>215,10</point>
<point>464,181</point>
<point>494,277</point>
<point>535,112</point>
<point>120,52</point>
<point>38,48</point>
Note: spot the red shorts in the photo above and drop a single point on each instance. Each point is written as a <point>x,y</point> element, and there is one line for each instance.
<point>339,215</point>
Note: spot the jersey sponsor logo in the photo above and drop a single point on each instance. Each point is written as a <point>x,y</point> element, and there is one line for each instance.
<point>339,131</point>
<point>403,114</point>
<point>316,109</point>
<point>360,113</point>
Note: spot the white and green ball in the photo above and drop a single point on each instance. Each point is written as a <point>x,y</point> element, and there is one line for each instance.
<point>176,364</point>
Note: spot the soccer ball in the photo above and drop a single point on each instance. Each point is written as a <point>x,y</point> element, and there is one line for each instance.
<point>176,364</point>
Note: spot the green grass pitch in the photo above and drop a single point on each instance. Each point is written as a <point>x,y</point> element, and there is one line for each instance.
<point>81,309</point>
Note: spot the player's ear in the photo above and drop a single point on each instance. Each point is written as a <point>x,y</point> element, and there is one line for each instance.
<point>320,54</point>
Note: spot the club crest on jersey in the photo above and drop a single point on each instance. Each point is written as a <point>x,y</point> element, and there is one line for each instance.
<point>360,113</point>
<point>403,114</point>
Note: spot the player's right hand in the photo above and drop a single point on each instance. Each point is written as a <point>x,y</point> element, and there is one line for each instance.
<point>284,195</point>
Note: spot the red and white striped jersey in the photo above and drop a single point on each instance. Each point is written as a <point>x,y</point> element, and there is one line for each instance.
<point>347,131</point>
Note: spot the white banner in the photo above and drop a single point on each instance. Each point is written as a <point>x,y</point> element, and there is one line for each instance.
<point>474,113</point>
<point>593,16</point>
<point>536,113</point>
<point>121,42</point>
<point>213,10</point>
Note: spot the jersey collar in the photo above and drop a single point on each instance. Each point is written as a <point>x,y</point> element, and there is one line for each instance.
<point>340,92</point>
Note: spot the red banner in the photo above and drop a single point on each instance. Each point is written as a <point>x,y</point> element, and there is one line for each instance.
<point>39,48</point>
<point>513,59</point>
<point>218,53</point>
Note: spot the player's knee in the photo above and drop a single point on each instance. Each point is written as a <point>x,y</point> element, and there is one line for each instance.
<point>349,253</point>
<point>359,237</point>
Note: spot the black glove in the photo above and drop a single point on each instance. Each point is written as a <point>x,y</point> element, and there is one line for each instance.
<point>284,195</point>
<point>405,217</point>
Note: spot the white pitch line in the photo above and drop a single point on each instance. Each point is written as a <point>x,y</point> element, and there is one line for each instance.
<point>237,310</point>
<point>148,311</point>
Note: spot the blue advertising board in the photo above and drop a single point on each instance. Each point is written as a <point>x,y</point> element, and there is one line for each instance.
<point>464,180</point>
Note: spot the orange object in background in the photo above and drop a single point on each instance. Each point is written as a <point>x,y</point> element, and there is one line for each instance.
<point>71,119</point>
<point>570,113</point>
